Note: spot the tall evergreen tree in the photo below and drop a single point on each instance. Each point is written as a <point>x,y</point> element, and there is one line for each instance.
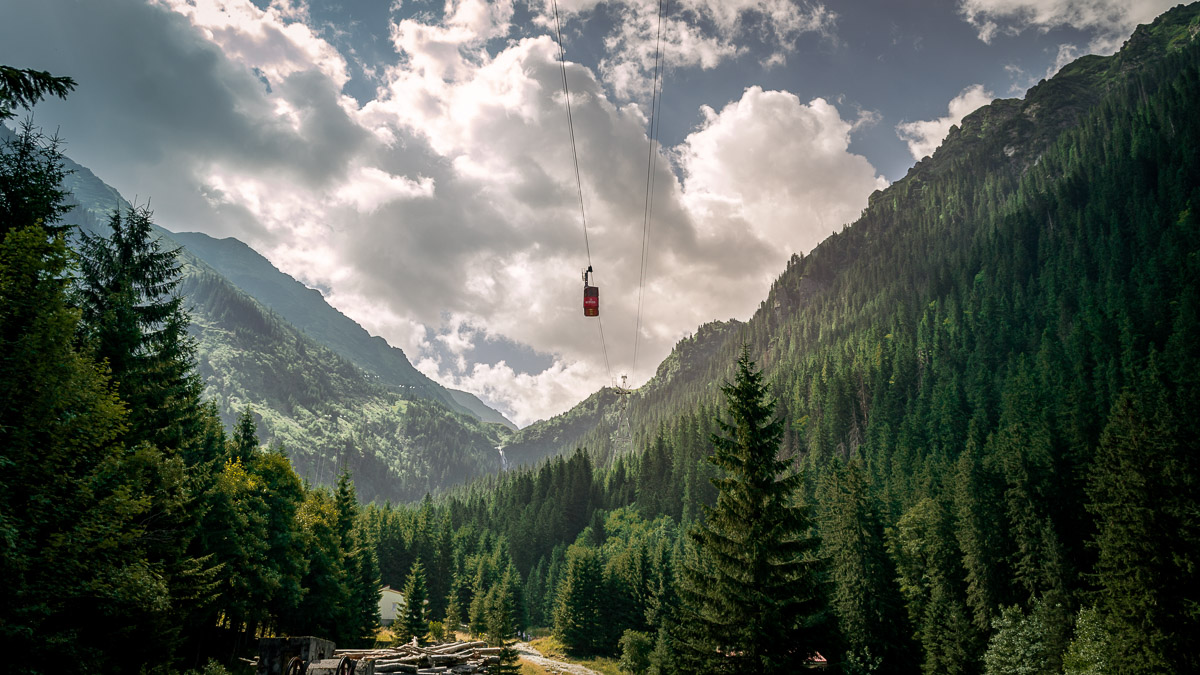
<point>1142,490</point>
<point>453,620</point>
<point>503,622</point>
<point>865,598</point>
<point>415,622</point>
<point>577,617</point>
<point>754,597</point>
<point>133,319</point>
<point>69,508</point>
<point>363,580</point>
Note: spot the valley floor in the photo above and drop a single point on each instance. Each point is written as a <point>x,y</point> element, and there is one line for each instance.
<point>531,655</point>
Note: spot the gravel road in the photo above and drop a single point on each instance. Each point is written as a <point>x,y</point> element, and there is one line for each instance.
<point>534,656</point>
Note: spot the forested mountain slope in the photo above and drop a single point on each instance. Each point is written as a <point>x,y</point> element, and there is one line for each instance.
<point>306,309</point>
<point>327,415</point>
<point>934,229</point>
<point>399,437</point>
<point>989,381</point>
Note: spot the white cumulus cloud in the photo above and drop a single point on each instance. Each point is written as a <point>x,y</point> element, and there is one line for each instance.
<point>924,136</point>
<point>444,213</point>
<point>1109,21</point>
<point>694,33</point>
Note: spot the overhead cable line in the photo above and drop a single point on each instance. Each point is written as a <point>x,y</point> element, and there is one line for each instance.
<point>562,59</point>
<point>655,109</point>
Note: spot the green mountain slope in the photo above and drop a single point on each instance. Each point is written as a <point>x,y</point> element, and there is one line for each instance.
<point>989,381</point>
<point>401,438</point>
<point>933,238</point>
<point>321,407</point>
<point>306,309</point>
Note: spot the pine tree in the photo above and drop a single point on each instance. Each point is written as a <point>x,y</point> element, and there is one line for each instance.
<point>363,580</point>
<point>503,610</point>
<point>24,88</point>
<point>1142,488</point>
<point>931,579</point>
<point>133,319</point>
<point>245,436</point>
<point>865,598</point>
<point>69,508</point>
<point>577,616</point>
<point>31,177</point>
<point>453,620</point>
<point>754,595</point>
<point>414,623</point>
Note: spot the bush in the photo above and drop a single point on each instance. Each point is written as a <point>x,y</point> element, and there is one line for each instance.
<point>635,652</point>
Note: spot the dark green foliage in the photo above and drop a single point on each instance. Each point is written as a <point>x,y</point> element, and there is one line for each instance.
<point>578,617</point>
<point>414,623</point>
<point>132,535</point>
<point>966,344</point>
<point>31,175</point>
<point>864,597</point>
<point>995,366</point>
<point>244,443</point>
<point>132,319</point>
<point>1143,488</point>
<point>453,616</point>
<point>754,594</point>
<point>503,621</point>
<point>934,590</point>
<point>68,509</point>
<point>24,88</point>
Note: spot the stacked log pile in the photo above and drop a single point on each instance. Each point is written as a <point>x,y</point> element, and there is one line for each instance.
<point>455,658</point>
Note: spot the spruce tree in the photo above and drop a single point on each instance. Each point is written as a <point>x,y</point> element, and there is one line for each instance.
<point>414,623</point>
<point>453,620</point>
<point>363,580</point>
<point>753,596</point>
<point>69,508</point>
<point>577,616</point>
<point>865,598</point>
<point>1142,488</point>
<point>134,320</point>
<point>503,609</point>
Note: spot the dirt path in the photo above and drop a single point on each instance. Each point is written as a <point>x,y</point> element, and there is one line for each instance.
<point>534,656</point>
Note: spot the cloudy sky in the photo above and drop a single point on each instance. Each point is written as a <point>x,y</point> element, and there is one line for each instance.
<point>411,158</point>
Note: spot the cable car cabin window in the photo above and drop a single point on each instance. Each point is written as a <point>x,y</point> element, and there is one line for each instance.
<point>591,301</point>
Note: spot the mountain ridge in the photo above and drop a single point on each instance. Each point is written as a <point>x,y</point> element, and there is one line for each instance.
<point>327,411</point>
<point>1003,139</point>
<point>307,309</point>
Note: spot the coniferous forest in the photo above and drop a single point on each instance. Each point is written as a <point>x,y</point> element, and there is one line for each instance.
<point>959,436</point>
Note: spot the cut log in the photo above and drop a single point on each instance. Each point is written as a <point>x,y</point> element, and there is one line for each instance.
<point>396,668</point>
<point>456,647</point>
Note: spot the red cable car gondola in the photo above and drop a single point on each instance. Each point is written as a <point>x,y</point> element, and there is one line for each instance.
<point>591,295</point>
